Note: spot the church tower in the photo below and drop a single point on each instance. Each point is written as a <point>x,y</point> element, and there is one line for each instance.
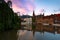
<point>33,14</point>
<point>33,18</point>
<point>33,21</point>
<point>9,2</point>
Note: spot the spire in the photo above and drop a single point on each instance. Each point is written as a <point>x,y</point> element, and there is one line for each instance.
<point>9,3</point>
<point>33,18</point>
<point>33,13</point>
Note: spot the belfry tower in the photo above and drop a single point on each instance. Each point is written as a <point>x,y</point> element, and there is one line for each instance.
<point>33,18</point>
<point>9,2</point>
<point>33,13</point>
<point>33,22</point>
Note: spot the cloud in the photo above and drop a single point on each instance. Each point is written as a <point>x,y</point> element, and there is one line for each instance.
<point>32,0</point>
<point>30,7</point>
<point>18,9</point>
<point>22,6</point>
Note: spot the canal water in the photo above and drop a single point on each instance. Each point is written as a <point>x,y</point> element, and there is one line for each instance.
<point>31,35</point>
<point>45,34</point>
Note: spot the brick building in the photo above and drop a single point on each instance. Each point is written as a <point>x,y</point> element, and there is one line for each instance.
<point>51,19</point>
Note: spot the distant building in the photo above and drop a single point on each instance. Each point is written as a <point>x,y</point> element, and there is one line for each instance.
<point>52,19</point>
<point>27,20</point>
<point>57,18</point>
<point>40,19</point>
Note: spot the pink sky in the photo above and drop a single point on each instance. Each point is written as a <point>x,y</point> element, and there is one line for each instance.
<point>23,8</point>
<point>39,6</point>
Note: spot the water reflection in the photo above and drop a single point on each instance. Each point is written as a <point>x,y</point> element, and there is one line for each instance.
<point>33,29</point>
<point>42,32</point>
<point>25,35</point>
<point>8,35</point>
<point>38,32</point>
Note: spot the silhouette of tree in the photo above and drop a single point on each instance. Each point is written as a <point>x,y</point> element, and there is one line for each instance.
<point>8,19</point>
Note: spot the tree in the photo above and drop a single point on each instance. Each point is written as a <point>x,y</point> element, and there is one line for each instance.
<point>8,19</point>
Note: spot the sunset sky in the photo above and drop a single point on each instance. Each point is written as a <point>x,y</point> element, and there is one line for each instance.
<point>26,7</point>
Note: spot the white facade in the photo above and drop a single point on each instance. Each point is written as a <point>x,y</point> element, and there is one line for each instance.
<point>28,21</point>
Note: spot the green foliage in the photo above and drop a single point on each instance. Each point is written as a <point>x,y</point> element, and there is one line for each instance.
<point>8,19</point>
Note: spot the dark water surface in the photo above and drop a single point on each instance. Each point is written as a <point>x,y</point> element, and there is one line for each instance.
<point>40,33</point>
<point>8,35</point>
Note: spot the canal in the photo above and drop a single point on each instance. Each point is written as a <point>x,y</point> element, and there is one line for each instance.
<point>39,33</point>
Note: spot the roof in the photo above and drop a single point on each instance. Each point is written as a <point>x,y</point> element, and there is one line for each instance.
<point>25,16</point>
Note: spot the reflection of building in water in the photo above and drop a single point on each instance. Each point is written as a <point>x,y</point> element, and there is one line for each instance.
<point>50,29</point>
<point>58,30</point>
<point>42,33</point>
<point>33,32</point>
